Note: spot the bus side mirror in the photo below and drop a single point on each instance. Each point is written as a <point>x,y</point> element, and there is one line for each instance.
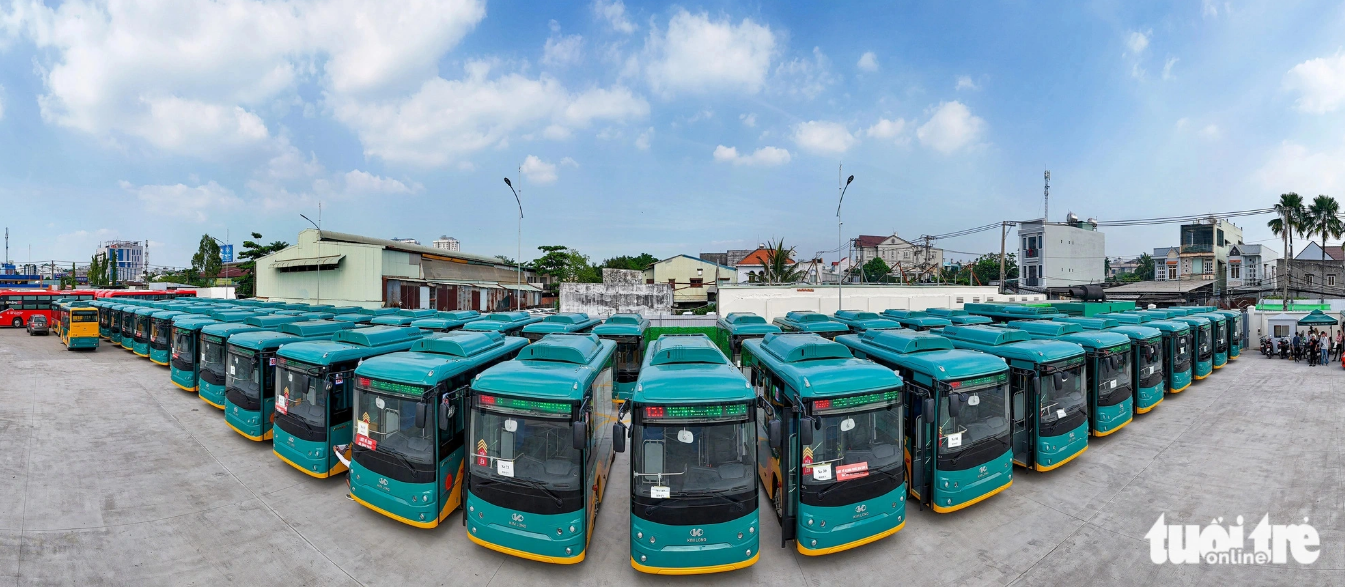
<point>773,433</point>
<point>928,409</point>
<point>619,437</point>
<point>445,414</point>
<point>580,439</point>
<point>806,431</point>
<point>420,414</point>
<point>954,404</point>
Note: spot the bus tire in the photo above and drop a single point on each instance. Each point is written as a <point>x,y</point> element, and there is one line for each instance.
<point>17,323</point>
<point>778,499</point>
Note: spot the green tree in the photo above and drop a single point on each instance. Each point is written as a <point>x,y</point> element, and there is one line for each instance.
<point>1323,217</point>
<point>627,262</point>
<point>1289,217</point>
<point>1106,265</point>
<point>985,268</point>
<point>876,270</point>
<point>205,264</point>
<point>95,271</point>
<point>780,267</point>
<point>246,286</point>
<point>554,262</point>
<point>579,268</point>
<point>1145,271</point>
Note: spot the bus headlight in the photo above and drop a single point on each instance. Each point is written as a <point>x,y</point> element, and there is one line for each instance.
<point>571,528</point>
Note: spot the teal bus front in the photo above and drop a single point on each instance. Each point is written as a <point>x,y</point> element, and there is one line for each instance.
<point>407,458</point>
<point>1149,377</point>
<point>962,456</point>
<point>693,488</point>
<point>213,366</point>
<point>315,418</point>
<point>184,365</point>
<point>249,392</point>
<point>1111,399</point>
<point>1050,414</point>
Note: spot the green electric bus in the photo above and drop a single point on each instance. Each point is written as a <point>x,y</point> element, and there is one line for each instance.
<point>136,339</point>
<point>184,369</point>
<point>958,317</point>
<point>740,326</point>
<point>401,317</point>
<point>506,323</point>
<point>860,321</point>
<point>408,457</point>
<point>161,335</point>
<point>540,447</point>
<point>693,500</point>
<point>1202,331</point>
<point>212,378</point>
<point>1009,312</point>
<point>313,428</point>
<point>445,321</point>
<point>916,319</point>
<point>1048,408</point>
<point>1218,337</point>
<point>354,318</point>
<point>1111,402</point>
<point>627,331</point>
<point>1234,323</point>
<point>813,322</point>
<point>250,388</point>
<point>563,323</point>
<point>1178,346</point>
<point>1148,383</point>
<point>104,318</point>
<point>957,415</point>
<point>829,442</point>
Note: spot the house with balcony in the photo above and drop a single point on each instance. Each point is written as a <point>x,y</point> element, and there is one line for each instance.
<point>1060,254</point>
<point>910,261</point>
<point>1251,266</point>
<point>1204,248</point>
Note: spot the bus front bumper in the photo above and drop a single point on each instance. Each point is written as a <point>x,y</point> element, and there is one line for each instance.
<point>1109,419</point>
<point>246,423</point>
<point>184,380</point>
<point>211,394</point>
<point>824,530</point>
<point>158,357</point>
<point>955,490</point>
<point>661,549</point>
<point>1149,398</point>
<point>1178,382</point>
<point>409,503</point>
<point>1054,451</point>
<point>1203,369</point>
<point>524,535</point>
<point>310,456</point>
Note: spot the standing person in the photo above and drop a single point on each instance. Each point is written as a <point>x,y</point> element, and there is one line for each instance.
<point>1340,342</point>
<point>1326,347</point>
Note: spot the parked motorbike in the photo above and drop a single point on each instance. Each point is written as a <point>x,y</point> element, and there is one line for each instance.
<point>1267,348</point>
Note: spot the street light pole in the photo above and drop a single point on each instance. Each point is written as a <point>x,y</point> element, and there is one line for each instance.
<point>840,240</point>
<point>518,303</point>
<point>319,229</point>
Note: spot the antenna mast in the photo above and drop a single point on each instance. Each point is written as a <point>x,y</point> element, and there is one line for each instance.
<point>1046,214</point>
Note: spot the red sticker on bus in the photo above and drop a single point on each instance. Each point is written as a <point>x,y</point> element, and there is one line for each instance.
<point>366,442</point>
<point>283,404</point>
<point>855,471</point>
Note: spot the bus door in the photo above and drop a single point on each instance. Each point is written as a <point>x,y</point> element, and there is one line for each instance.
<point>920,405</point>
<point>1023,384</point>
<point>339,379</point>
<point>451,411</point>
<point>776,447</point>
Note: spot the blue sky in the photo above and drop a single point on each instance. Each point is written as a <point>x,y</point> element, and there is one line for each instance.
<point>654,127</point>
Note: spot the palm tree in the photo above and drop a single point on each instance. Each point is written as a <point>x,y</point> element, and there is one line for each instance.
<point>1289,218</point>
<point>1324,219</point>
<point>780,267</point>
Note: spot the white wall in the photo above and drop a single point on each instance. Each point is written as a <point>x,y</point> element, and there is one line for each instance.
<point>772,302</point>
<point>1072,256</point>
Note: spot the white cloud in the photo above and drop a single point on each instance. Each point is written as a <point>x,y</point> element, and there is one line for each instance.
<point>539,171</point>
<point>803,77</point>
<point>702,115</point>
<point>563,51</point>
<point>748,119</point>
<point>868,62</point>
<point>568,162</point>
<point>642,141</point>
<point>1182,122</point>
<point>363,183</point>
<point>1319,82</point>
<point>823,137</point>
<point>1167,67</point>
<point>1137,42</point>
<point>1208,9</point>
<point>1292,168</point>
<point>1211,131</point>
<point>192,203</point>
<point>964,82</point>
<point>614,14</point>
<point>765,156</point>
<point>447,119</point>
<point>886,129</point>
<point>697,55</point>
<point>196,76</point>
<point>951,127</point>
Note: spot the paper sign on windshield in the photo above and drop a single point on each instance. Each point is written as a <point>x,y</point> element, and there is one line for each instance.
<point>852,471</point>
<point>954,440</point>
<point>658,492</point>
<point>283,404</point>
<point>822,472</point>
<point>1060,413</point>
<point>362,428</point>
<point>366,442</point>
<point>504,468</point>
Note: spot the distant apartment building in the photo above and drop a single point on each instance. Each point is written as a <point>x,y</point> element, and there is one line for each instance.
<point>912,262</point>
<point>694,281</point>
<point>129,257</point>
<point>1061,254</point>
<point>1252,266</point>
<point>405,241</point>
<point>447,243</point>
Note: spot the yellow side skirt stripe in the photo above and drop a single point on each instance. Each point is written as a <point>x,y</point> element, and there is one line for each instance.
<point>555,560</point>
<point>1041,469</point>
<point>695,570</point>
<point>942,510</point>
<point>861,542</point>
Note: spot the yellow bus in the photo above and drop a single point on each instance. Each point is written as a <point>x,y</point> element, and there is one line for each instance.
<point>79,326</point>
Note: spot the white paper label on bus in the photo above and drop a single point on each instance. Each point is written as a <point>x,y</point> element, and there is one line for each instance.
<point>660,492</point>
<point>954,440</point>
<point>822,472</point>
<point>504,468</point>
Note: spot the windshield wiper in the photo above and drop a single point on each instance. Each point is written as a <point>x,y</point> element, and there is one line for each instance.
<point>708,493</point>
<point>975,444</point>
<point>538,486</point>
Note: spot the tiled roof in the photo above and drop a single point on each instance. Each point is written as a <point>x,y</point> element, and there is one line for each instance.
<point>758,257</point>
<point>867,240</point>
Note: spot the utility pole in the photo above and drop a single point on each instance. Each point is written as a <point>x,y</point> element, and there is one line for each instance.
<point>1046,213</point>
<point>1003,232</point>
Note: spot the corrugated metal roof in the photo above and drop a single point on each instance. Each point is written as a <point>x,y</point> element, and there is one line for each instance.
<point>410,248</point>
<point>308,261</point>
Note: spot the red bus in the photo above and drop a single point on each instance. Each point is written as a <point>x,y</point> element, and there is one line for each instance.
<point>17,306</point>
<point>146,294</point>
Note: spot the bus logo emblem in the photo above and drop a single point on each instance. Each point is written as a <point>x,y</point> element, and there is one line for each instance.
<point>983,470</point>
<point>516,517</point>
<point>697,532</point>
<point>861,508</point>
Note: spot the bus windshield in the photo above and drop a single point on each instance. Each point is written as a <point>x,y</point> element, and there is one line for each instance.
<point>524,458</point>
<point>302,397</point>
<point>982,414</point>
<point>692,459</point>
<point>856,453</point>
<point>212,357</point>
<point>1113,373</point>
<point>1150,362</point>
<point>244,375</point>
<point>183,343</point>
<point>1221,336</point>
<point>1181,360</point>
<point>83,316</point>
<point>159,333</point>
<point>627,359</point>
<point>1062,392</point>
<point>387,425</point>
<point>1204,342</point>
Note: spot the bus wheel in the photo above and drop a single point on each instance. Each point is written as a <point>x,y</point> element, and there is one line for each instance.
<point>17,323</point>
<point>778,499</point>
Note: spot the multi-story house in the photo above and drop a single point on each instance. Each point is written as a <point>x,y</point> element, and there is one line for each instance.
<point>913,262</point>
<point>1061,254</point>
<point>1251,266</point>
